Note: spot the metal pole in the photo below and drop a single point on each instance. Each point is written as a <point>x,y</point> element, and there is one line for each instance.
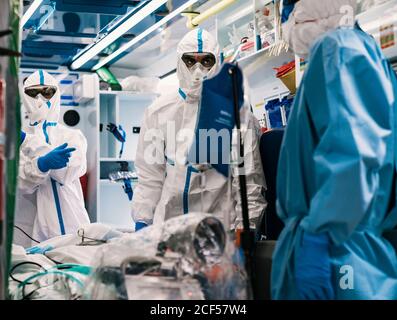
<point>247,236</point>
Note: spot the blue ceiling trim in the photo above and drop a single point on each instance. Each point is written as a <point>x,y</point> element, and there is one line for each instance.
<point>48,48</point>
<point>65,34</point>
<point>116,7</point>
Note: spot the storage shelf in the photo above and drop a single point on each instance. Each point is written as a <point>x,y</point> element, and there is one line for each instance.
<point>248,59</point>
<point>117,159</point>
<point>107,182</point>
<point>129,95</point>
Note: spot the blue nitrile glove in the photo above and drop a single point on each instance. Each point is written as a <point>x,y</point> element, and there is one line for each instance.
<point>118,132</point>
<point>140,225</point>
<point>55,159</point>
<point>288,7</point>
<point>313,268</point>
<point>23,136</point>
<point>39,250</point>
<point>128,188</point>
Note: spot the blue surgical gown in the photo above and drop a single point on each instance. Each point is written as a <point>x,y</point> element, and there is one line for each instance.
<point>337,167</point>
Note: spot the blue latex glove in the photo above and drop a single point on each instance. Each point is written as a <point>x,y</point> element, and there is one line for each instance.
<point>313,268</point>
<point>55,159</point>
<point>39,250</point>
<point>288,7</point>
<point>117,131</point>
<point>128,189</point>
<point>23,136</point>
<point>140,225</point>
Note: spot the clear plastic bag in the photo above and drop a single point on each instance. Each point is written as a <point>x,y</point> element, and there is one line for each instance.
<point>187,257</point>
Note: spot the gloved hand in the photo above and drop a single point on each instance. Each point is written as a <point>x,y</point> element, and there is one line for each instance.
<point>39,250</point>
<point>55,159</point>
<point>140,225</point>
<point>23,136</point>
<point>128,188</point>
<point>313,268</point>
<point>118,132</point>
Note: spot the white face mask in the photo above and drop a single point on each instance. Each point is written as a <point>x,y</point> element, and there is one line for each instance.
<point>36,108</point>
<point>198,73</point>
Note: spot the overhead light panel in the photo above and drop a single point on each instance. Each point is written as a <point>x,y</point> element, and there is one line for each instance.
<point>145,33</point>
<point>129,23</point>
<point>31,10</point>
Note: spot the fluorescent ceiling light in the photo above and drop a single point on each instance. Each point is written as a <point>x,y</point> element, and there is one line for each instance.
<point>148,9</point>
<point>144,33</point>
<point>32,8</point>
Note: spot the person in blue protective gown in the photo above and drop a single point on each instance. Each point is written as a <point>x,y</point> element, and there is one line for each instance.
<point>337,171</point>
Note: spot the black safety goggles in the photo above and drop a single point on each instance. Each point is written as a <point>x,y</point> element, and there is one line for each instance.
<point>206,59</point>
<point>46,91</point>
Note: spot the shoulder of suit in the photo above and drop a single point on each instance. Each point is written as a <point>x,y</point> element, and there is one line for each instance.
<point>163,102</point>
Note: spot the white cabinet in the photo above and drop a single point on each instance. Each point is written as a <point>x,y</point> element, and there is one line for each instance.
<point>125,109</point>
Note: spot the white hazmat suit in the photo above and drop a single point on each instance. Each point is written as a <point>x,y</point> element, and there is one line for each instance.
<point>169,187</point>
<point>56,195</point>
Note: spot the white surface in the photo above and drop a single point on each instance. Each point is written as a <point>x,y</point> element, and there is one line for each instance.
<point>115,159</point>
<point>114,205</point>
<point>125,109</point>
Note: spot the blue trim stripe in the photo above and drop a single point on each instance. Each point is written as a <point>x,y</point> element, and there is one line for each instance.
<point>169,161</point>
<point>190,169</point>
<point>67,97</point>
<point>41,74</point>
<point>66,82</point>
<point>45,125</point>
<point>45,132</point>
<point>23,136</point>
<point>58,206</point>
<point>123,134</point>
<point>200,40</point>
<point>182,94</point>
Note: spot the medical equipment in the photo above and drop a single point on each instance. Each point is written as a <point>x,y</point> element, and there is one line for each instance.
<point>277,112</point>
<point>124,175</point>
<point>91,241</point>
<point>119,133</point>
<point>63,281</point>
<point>106,76</point>
<point>189,257</point>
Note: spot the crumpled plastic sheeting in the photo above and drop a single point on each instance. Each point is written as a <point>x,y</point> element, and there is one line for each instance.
<point>65,249</point>
<point>188,247</point>
<point>140,84</point>
<point>40,287</point>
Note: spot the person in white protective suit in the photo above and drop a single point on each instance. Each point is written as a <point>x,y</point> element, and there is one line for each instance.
<point>52,159</point>
<point>169,187</point>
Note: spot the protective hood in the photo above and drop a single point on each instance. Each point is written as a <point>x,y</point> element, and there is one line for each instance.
<point>190,81</point>
<point>312,18</point>
<point>39,109</point>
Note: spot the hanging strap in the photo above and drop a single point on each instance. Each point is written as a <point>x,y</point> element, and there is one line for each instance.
<point>123,134</point>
